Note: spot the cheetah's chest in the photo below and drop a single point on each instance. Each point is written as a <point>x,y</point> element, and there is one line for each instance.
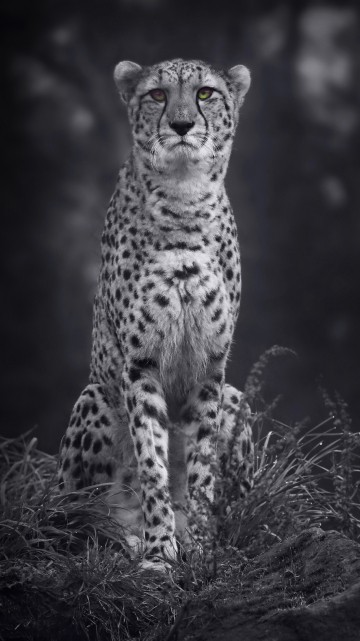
<point>187,301</point>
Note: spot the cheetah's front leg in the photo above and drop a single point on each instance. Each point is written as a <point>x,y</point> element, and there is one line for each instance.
<point>200,423</point>
<point>146,407</point>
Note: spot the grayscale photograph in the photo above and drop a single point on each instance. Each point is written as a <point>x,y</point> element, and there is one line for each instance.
<point>179,441</point>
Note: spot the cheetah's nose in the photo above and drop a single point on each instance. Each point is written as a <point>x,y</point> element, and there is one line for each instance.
<point>181,126</point>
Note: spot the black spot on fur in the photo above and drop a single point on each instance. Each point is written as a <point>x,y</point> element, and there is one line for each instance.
<point>186,272</point>
<point>161,300</point>
<point>155,549</point>
<point>217,314</point>
<point>222,328</point>
<point>165,537</point>
<point>159,450</point>
<point>137,421</point>
<point>207,393</point>
<point>210,297</point>
<point>85,411</point>
<point>149,388</point>
<point>77,440</point>
<point>87,441</point>
<point>193,477</point>
<point>203,433</point>
<point>144,363</point>
<point>150,410</point>
<point>147,316</point>
<point>134,374</point>
<point>97,447</point>
<point>135,341</point>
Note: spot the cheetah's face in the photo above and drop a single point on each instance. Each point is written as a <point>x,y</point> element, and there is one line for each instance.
<point>182,111</point>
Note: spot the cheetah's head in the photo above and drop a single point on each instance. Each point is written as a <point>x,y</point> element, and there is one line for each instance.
<point>182,111</point>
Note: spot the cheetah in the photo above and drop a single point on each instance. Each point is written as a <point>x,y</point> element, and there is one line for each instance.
<point>157,412</point>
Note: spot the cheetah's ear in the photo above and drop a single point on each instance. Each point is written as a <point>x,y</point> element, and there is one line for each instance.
<point>240,77</point>
<point>126,75</point>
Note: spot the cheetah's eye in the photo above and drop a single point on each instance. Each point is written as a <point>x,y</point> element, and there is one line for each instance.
<point>158,94</point>
<point>204,93</point>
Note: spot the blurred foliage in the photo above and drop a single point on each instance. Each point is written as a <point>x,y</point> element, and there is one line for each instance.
<point>293,181</point>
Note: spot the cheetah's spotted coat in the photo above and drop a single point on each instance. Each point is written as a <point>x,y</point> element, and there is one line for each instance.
<point>165,309</point>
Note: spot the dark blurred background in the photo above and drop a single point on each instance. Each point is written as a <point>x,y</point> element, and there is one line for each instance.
<point>294,182</point>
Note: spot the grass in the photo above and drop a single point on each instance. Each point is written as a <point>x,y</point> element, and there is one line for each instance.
<point>66,574</point>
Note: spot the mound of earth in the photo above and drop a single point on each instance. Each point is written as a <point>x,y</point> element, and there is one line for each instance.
<point>305,588</point>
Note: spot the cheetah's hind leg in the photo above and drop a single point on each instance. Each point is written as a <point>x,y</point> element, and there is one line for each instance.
<point>235,445</point>
<point>97,451</point>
